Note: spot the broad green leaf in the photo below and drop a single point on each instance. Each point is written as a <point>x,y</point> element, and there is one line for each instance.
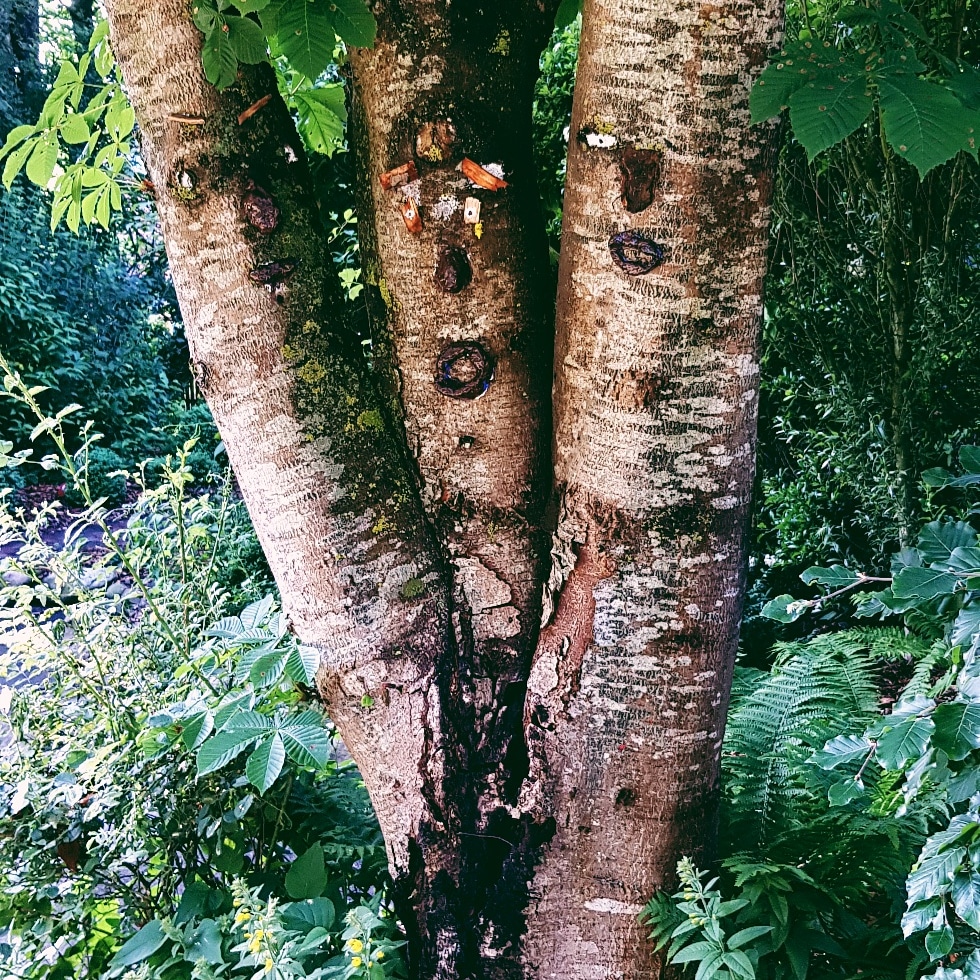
<point>218,56</point>
<point>905,742</point>
<point>568,10</point>
<point>42,161</point>
<point>836,577</point>
<point>204,943</point>
<point>919,916</point>
<point>970,455</point>
<point>302,663</point>
<point>247,40</point>
<point>939,942</point>
<point>843,748</point>
<point>230,705</point>
<point>966,898</point>
<point>256,612</point>
<point>826,111</point>
<point>75,129</point>
<point>957,728</point>
<point>320,115</point>
<point>250,6</point>
<point>220,749</point>
<point>306,745</point>
<point>307,875</point>
<point>196,729</point>
<point>964,561</point>
<point>313,913</point>
<point>739,964</point>
<point>266,762</point>
<point>268,668</point>
<point>924,122</point>
<point>922,583</point>
<point>353,22</point>
<point>17,135</point>
<point>139,947</point>
<point>842,793</point>
<point>197,900</point>
<point>933,874</point>
<point>785,608</point>
<point>696,951</point>
<point>306,35</point>
<point>245,721</point>
<point>966,625</point>
<point>744,936</point>
<point>939,539</point>
<point>15,162</point>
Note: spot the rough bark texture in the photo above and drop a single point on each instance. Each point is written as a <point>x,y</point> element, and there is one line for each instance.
<point>655,413</point>
<point>534,785</point>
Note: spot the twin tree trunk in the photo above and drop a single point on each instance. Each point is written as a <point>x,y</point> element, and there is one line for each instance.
<point>527,624</point>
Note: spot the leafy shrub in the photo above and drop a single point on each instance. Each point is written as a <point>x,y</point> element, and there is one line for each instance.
<point>98,470</point>
<point>170,802</point>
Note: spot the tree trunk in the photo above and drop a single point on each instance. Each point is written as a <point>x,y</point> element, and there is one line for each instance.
<point>534,785</point>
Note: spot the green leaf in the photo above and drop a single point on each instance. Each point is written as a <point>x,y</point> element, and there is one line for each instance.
<point>905,742</point>
<point>922,583</point>
<point>785,609</point>
<point>966,625</point>
<point>739,964</point>
<point>307,875</point>
<point>139,947</point>
<point>966,898</point>
<point>15,162</point>
<point>75,129</point>
<point>957,728</point>
<point>204,943</point>
<point>266,762</point>
<point>320,116</point>
<point>220,749</point>
<point>836,577</point>
<point>313,913</point>
<point>306,36</point>
<point>247,40</point>
<point>826,111</point>
<point>842,749</point>
<point>42,161</point>
<point>842,793</point>
<point>924,122</point>
<point>939,943</point>
<point>302,663</point>
<point>568,10</point>
<point>696,951</point>
<point>744,936</point>
<point>306,745</point>
<point>268,668</point>
<point>939,539</point>
<point>970,455</point>
<point>353,22</point>
<point>218,56</point>
<point>196,729</point>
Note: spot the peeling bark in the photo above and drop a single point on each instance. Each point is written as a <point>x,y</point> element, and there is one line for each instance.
<point>543,737</point>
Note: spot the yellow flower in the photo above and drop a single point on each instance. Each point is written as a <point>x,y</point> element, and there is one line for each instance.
<point>269,964</point>
<point>255,945</point>
<point>355,945</point>
<point>379,955</point>
<point>243,916</point>
<point>356,961</point>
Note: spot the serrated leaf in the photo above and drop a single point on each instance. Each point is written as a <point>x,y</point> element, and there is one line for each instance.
<point>905,742</point>
<point>306,35</point>
<point>320,116</point>
<point>196,729</point>
<point>307,875</point>
<point>302,663</point>
<point>266,762</point>
<point>15,162</point>
<point>247,40</point>
<point>218,57</point>
<point>43,159</point>
<point>268,668</point>
<point>922,583</point>
<point>826,111</point>
<point>924,122</point>
<point>306,745</point>
<point>957,728</point>
<point>353,22</point>
<point>966,898</point>
<point>222,748</point>
<point>696,951</point>
<point>75,129</point>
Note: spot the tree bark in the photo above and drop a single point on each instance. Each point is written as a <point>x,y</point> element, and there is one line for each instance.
<point>534,785</point>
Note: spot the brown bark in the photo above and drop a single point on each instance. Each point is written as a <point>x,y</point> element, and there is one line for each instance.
<point>533,789</point>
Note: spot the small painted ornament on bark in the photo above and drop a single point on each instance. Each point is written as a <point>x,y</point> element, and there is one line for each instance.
<point>636,254</point>
<point>260,210</point>
<point>404,174</point>
<point>274,275</point>
<point>412,216</point>
<point>436,141</point>
<point>483,176</point>
<point>453,270</point>
<point>471,211</point>
<point>641,172</point>
<point>464,370</point>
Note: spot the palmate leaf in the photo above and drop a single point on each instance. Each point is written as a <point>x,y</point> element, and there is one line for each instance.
<point>305,32</point>
<point>247,40</point>
<point>266,762</point>
<point>218,56</point>
<point>306,744</point>
<point>924,122</point>
<point>828,110</point>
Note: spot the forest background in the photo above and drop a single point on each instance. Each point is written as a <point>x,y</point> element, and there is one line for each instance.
<point>870,404</point>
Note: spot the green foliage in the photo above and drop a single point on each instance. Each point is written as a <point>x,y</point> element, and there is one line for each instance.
<point>143,793</point>
<point>927,112</point>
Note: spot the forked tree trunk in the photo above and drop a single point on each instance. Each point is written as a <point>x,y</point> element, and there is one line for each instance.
<point>534,785</point>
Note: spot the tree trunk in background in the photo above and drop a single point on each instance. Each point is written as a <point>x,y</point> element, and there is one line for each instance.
<point>20,71</point>
<point>534,785</point>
